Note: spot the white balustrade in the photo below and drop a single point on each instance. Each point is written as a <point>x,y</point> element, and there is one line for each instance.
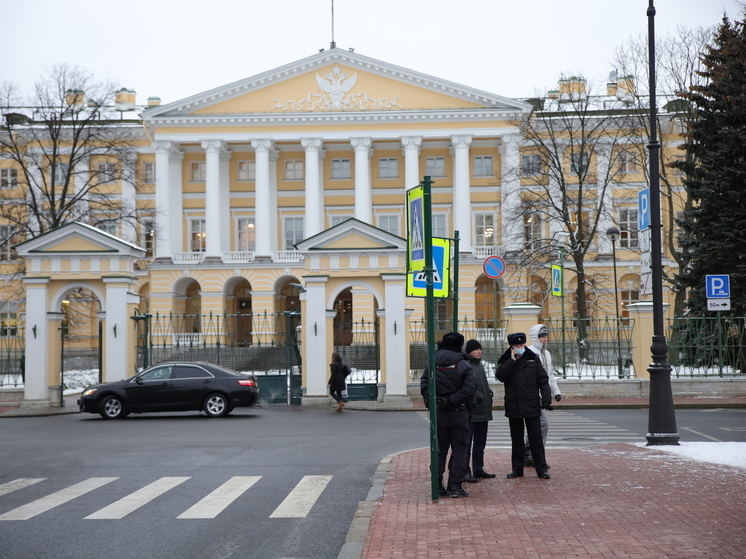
<point>188,257</point>
<point>287,256</point>
<point>238,257</point>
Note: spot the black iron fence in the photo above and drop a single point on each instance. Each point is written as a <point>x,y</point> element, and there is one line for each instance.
<point>358,343</point>
<point>707,346</point>
<point>12,357</point>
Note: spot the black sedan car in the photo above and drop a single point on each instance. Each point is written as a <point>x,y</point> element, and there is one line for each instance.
<point>173,387</point>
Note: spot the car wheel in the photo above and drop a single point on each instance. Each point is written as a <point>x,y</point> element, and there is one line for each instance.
<point>111,407</point>
<point>216,405</point>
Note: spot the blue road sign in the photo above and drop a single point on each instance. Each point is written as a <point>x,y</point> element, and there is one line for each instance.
<point>417,281</point>
<point>493,267</point>
<point>718,287</point>
<point>643,202</point>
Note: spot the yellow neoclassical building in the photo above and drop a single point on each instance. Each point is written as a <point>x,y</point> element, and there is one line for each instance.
<point>281,197</point>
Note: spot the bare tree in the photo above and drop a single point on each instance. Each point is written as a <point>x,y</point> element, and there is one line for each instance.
<point>678,68</point>
<point>71,155</point>
<point>566,173</point>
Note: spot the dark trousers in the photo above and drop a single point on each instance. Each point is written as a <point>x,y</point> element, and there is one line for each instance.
<point>533,428</point>
<point>478,435</point>
<point>337,395</point>
<point>453,434</point>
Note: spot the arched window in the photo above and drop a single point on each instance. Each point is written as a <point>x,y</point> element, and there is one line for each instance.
<point>487,302</point>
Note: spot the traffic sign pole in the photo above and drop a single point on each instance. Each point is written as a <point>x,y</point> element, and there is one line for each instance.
<point>455,281</point>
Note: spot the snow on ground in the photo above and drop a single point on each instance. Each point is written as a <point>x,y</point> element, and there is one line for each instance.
<point>726,454</point>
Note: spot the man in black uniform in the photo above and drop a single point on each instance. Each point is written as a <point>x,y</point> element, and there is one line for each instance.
<point>526,394</point>
<point>455,389</point>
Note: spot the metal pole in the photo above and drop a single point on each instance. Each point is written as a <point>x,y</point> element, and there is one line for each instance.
<point>430,311</point>
<point>62,363</point>
<point>661,418</point>
<point>562,280</point>
<point>618,323</point>
<point>455,281</point>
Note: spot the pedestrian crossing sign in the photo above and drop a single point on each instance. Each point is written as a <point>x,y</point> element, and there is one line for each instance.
<point>415,229</point>
<point>557,283</point>
<point>417,281</point>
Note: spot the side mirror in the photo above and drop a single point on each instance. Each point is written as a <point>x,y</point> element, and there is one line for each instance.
<point>138,380</point>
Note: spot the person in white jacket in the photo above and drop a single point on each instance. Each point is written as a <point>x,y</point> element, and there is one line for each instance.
<point>539,336</point>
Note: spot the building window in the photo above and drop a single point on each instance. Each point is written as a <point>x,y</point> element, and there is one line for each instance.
<point>6,242</point>
<point>531,165</point>
<point>148,172</point>
<point>337,219</point>
<point>628,295</point>
<point>629,229</point>
<point>341,169</point>
<point>435,167</point>
<point>197,171</point>
<point>439,225</point>
<point>8,178</point>
<point>579,163</point>
<point>294,170</point>
<point>246,171</point>
<point>389,223</point>
<point>627,163</point>
<point>483,166</point>
<point>147,236</point>
<point>484,230</point>
<point>532,232</point>
<point>442,318</point>
<point>388,168</point>
<point>246,234</point>
<point>59,175</point>
<point>197,235</point>
<point>8,319</point>
<point>106,173</point>
<point>293,232</point>
<point>107,226</point>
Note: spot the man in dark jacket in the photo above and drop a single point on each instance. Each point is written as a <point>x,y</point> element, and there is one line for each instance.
<point>481,413</point>
<point>526,394</point>
<point>454,382</point>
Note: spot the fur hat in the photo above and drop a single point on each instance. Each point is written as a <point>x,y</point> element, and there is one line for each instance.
<point>471,345</point>
<point>517,338</point>
<point>453,341</point>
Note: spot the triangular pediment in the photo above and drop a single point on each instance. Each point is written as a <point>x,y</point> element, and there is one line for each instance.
<point>352,235</point>
<point>331,82</point>
<point>78,238</point>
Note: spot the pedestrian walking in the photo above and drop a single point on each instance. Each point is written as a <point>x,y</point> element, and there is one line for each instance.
<point>337,382</point>
<point>454,392</point>
<point>526,394</point>
<point>481,413</point>
<point>538,335</point>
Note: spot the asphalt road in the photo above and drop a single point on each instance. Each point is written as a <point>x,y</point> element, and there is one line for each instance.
<point>273,483</point>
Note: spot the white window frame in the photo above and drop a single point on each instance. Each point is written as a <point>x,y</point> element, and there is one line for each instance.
<point>440,229</point>
<point>341,169</point>
<point>8,319</point>
<point>246,170</point>
<point>6,243</point>
<point>296,230</point>
<point>336,219</point>
<point>627,162</point>
<point>147,235</point>
<point>108,226</point>
<point>580,163</point>
<point>198,171</point>
<point>294,170</point>
<point>60,172</point>
<point>483,166</point>
<point>245,234</point>
<point>533,232</point>
<point>531,165</point>
<point>388,168</point>
<point>483,223</point>
<point>106,172</point>
<point>384,223</point>
<point>8,177</point>
<point>148,172</point>
<point>629,228</point>
<point>435,165</point>
<point>197,234</point>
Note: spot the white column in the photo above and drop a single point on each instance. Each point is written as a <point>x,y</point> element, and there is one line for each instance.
<point>316,362</point>
<point>322,183</point>
<point>510,203</point>
<point>411,150</point>
<point>606,220</point>
<point>225,202</point>
<point>37,341</point>
<point>176,203</point>
<point>314,203</point>
<point>363,197</point>
<point>163,247</point>
<point>213,200</point>
<point>262,199</point>
<point>461,191</point>
<point>397,369</point>
<point>273,156</point>
<point>129,203</point>
<point>119,330</point>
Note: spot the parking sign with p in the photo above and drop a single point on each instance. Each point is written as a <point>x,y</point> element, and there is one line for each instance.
<point>718,287</point>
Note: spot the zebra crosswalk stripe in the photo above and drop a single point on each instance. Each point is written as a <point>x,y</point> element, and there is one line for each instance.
<point>218,500</point>
<point>56,499</point>
<point>135,500</point>
<point>19,483</point>
<point>300,500</point>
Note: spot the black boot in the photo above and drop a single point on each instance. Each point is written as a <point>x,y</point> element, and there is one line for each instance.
<point>457,491</point>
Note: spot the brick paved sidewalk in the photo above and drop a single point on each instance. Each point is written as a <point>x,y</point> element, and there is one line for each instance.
<point>613,501</point>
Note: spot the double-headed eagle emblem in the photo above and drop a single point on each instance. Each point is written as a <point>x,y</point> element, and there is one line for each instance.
<point>335,86</point>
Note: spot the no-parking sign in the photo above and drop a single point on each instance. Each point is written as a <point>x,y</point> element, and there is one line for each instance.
<point>493,267</point>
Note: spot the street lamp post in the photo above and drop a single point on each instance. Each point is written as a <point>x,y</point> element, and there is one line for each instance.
<point>612,233</point>
<point>563,235</point>
<point>661,414</point>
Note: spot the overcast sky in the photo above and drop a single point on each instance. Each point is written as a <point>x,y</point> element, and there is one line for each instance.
<point>174,49</point>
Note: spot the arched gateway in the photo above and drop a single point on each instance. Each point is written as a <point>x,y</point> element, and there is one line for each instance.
<point>76,257</point>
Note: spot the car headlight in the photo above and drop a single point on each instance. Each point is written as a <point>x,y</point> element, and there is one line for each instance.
<point>89,391</point>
